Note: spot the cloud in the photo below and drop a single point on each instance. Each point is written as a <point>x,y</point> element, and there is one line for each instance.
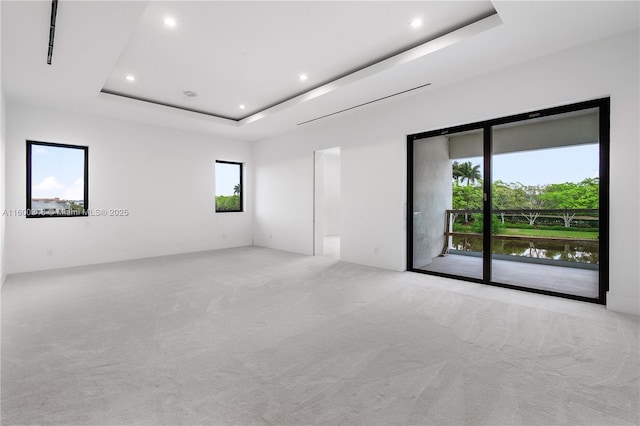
<point>39,150</point>
<point>75,191</point>
<point>49,187</point>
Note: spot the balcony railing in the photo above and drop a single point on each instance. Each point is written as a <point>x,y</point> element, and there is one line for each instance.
<point>528,233</point>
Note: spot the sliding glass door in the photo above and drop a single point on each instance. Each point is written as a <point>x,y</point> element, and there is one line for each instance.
<point>546,182</point>
<point>519,201</point>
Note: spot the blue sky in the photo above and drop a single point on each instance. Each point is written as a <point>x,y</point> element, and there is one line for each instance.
<point>227,176</point>
<point>57,172</point>
<point>542,167</point>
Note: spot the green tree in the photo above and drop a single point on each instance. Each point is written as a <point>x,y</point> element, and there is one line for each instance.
<point>590,198</point>
<point>76,208</point>
<point>503,197</point>
<point>467,198</point>
<point>469,172</point>
<point>227,203</point>
<point>236,189</point>
<point>528,197</point>
<point>569,195</point>
<point>455,171</point>
<point>478,224</point>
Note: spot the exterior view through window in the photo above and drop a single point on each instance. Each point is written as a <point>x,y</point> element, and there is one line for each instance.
<point>519,202</point>
<point>228,186</point>
<point>56,179</point>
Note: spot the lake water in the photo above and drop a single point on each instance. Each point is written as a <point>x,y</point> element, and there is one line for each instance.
<point>574,252</point>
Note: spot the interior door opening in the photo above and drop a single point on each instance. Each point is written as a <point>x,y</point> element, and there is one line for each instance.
<point>327,203</point>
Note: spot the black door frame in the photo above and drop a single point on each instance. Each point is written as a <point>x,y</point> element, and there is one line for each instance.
<point>603,105</point>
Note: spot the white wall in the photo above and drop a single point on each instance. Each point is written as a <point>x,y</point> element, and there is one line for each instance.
<point>327,196</point>
<point>373,149</point>
<point>318,203</point>
<point>131,166</point>
<point>331,193</point>
<point>372,207</point>
<point>3,252</point>
<point>432,189</point>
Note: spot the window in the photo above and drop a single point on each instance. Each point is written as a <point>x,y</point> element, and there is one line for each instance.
<point>228,186</point>
<point>57,180</point>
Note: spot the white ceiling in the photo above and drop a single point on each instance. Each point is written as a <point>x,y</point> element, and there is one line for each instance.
<point>252,53</point>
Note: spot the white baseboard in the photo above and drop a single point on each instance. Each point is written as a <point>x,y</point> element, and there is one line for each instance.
<point>625,304</point>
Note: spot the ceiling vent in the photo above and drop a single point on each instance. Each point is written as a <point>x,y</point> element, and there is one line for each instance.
<point>366,103</point>
<point>52,29</point>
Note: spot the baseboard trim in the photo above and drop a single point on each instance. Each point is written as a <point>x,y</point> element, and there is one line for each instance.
<point>624,304</point>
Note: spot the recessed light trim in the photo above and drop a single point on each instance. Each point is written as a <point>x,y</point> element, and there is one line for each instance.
<point>416,23</point>
<point>303,77</point>
<point>242,106</point>
<point>170,22</point>
<point>130,77</point>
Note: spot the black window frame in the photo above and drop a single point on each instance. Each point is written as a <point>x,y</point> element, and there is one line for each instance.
<point>241,195</point>
<point>85,149</point>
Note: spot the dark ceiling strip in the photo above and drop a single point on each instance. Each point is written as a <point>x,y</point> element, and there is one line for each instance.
<point>122,95</point>
<point>52,29</point>
<point>366,103</point>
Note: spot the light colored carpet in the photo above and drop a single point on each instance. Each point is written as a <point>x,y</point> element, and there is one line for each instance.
<point>257,336</point>
<point>332,247</point>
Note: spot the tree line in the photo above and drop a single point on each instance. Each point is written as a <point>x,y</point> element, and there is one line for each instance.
<point>513,196</point>
<point>229,202</point>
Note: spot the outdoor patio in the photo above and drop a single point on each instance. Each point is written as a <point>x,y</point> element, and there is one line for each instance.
<point>560,279</point>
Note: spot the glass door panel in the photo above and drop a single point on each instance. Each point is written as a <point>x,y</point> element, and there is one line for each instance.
<point>545,199</point>
<point>447,204</point>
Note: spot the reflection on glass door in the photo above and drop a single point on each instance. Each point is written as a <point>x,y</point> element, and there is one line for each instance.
<point>545,199</point>
<point>447,204</point>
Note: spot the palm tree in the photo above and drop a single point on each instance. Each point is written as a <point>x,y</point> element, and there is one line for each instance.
<point>455,169</point>
<point>469,172</point>
<point>236,189</point>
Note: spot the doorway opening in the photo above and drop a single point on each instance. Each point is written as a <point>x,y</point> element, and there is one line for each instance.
<point>326,215</point>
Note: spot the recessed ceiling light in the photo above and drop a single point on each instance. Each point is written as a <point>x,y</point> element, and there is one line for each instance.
<point>416,23</point>
<point>130,78</point>
<point>303,77</point>
<point>242,106</point>
<point>169,21</point>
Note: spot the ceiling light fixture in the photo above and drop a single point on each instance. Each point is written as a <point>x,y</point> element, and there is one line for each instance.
<point>242,106</point>
<point>169,21</point>
<point>303,77</point>
<point>416,23</point>
<point>130,78</point>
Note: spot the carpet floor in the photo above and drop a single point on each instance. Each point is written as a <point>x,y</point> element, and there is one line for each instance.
<point>256,336</point>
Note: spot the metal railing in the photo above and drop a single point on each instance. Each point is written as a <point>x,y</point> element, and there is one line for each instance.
<point>563,217</point>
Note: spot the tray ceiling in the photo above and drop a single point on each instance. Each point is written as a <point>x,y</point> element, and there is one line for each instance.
<point>240,58</point>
